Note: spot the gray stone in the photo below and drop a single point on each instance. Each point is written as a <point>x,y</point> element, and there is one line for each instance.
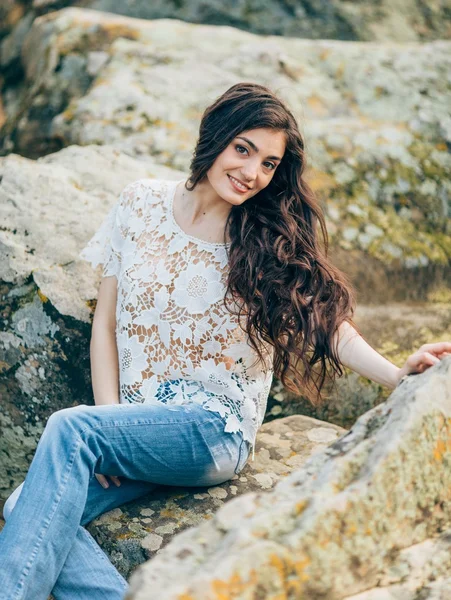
<point>404,20</point>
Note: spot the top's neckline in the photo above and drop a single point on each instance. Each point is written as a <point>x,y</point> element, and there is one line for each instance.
<point>180,230</point>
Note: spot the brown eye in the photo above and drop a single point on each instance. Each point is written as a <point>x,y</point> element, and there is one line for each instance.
<point>236,147</point>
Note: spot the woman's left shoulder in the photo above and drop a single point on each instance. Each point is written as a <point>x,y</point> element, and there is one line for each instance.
<point>154,190</point>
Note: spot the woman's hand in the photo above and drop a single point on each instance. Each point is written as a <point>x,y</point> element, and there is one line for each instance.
<point>426,356</point>
<point>104,482</point>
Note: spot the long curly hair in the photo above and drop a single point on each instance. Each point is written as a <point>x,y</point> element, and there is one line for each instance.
<point>284,289</point>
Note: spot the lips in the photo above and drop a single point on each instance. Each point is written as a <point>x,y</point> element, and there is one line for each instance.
<point>236,187</point>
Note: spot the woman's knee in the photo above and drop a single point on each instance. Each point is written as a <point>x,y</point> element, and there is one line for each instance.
<point>11,502</point>
<point>72,416</point>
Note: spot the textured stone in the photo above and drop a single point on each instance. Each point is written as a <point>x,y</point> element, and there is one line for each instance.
<point>404,20</point>
<point>376,120</point>
<point>412,571</point>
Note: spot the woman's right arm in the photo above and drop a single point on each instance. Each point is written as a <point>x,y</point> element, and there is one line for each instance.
<point>103,347</point>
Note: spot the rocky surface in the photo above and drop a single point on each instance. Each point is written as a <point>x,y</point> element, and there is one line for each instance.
<point>376,120</point>
<point>11,12</point>
<point>420,572</point>
<point>333,527</point>
<point>404,20</point>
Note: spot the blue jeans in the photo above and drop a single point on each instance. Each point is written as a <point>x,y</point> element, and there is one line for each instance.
<point>44,547</point>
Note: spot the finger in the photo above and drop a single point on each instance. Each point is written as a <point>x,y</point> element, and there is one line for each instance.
<point>102,480</point>
<point>115,480</point>
<point>427,359</point>
<point>437,347</point>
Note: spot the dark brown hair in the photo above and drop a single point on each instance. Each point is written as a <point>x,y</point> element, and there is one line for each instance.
<point>291,296</point>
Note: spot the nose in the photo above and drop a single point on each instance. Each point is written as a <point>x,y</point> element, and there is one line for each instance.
<point>249,172</point>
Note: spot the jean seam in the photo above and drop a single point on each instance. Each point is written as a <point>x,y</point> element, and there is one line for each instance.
<point>240,454</point>
<point>199,429</point>
<point>34,553</point>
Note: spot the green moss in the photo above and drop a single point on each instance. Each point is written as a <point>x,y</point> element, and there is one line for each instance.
<point>407,206</point>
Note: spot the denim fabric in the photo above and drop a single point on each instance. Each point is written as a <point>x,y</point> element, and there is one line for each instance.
<point>44,547</point>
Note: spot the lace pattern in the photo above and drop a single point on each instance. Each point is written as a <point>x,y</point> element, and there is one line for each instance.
<point>171,324</point>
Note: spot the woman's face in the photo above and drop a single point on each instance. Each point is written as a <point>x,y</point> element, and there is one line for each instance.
<point>251,158</point>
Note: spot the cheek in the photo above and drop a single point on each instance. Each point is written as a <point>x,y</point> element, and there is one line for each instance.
<point>230,156</point>
<point>222,161</point>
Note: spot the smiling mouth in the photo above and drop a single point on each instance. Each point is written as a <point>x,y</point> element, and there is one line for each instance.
<point>238,184</point>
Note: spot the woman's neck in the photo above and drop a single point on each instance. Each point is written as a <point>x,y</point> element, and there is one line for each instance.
<point>201,212</point>
<point>204,204</point>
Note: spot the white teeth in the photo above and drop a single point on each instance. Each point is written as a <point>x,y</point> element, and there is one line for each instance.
<point>240,185</point>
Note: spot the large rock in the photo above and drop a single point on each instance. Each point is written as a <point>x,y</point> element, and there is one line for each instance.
<point>420,572</point>
<point>333,527</point>
<point>404,21</point>
<point>383,84</point>
<point>376,119</point>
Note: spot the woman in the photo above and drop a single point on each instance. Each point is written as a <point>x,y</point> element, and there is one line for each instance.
<point>210,286</point>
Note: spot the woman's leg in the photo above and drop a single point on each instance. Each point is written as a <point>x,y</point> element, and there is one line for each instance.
<point>177,445</point>
<point>88,573</point>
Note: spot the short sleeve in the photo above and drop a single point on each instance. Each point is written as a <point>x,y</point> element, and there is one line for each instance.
<point>105,247</point>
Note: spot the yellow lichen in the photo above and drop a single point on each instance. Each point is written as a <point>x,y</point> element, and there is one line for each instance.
<point>300,507</point>
<point>440,296</point>
<point>340,71</point>
<point>439,450</point>
<point>300,565</point>
<point>316,104</point>
<point>440,421</point>
<point>42,296</point>
<point>351,528</point>
<point>168,513</point>
<point>234,587</point>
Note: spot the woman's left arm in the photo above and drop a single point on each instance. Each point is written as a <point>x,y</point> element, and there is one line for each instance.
<point>354,352</point>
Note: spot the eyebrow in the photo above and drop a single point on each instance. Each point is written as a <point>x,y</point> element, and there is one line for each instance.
<point>254,147</point>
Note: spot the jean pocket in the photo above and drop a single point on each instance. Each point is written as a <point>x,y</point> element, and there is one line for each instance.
<point>242,457</point>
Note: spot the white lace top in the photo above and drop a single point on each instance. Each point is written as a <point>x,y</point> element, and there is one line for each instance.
<point>170,320</point>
